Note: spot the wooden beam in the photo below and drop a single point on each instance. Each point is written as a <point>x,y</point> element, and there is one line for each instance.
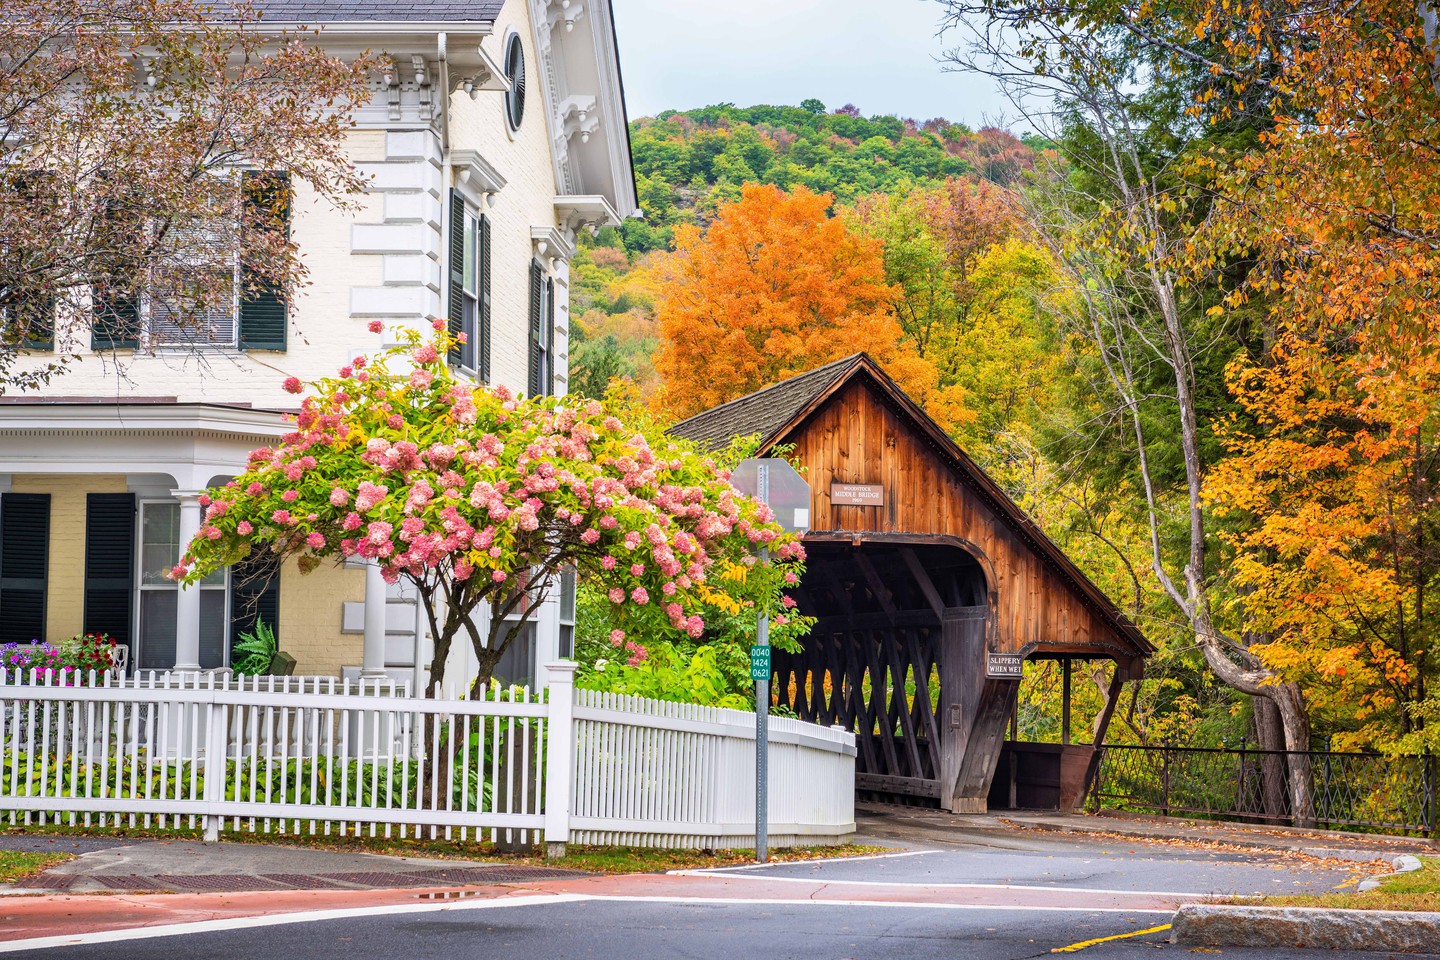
<point>1065,702</point>
<point>877,586</point>
<point>917,570</point>
<point>875,621</point>
<point>1102,724</point>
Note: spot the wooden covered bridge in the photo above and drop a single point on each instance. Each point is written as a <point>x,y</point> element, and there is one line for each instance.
<point>924,574</point>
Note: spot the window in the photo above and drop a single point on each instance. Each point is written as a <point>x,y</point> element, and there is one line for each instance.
<point>469,287</point>
<point>515,73</point>
<point>159,595</point>
<point>205,297</point>
<point>567,614</point>
<point>24,565</point>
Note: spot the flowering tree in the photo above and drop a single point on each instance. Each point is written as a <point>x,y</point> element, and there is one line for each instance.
<point>481,498</point>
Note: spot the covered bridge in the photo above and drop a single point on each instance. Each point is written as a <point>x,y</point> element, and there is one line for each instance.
<point>923,574</point>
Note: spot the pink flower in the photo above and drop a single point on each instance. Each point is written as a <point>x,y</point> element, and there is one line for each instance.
<point>211,533</point>
<point>395,421</point>
<point>204,499</point>
<point>280,516</point>
<point>608,563</point>
<point>640,596</point>
<point>637,569</point>
<point>290,496</point>
<point>316,540</point>
<point>243,528</point>
<point>617,637</point>
<point>638,657</point>
<point>369,495</point>
<point>255,489</point>
<point>617,595</point>
<point>788,602</point>
<point>352,521</point>
<point>177,572</point>
<point>590,536</point>
<point>498,576</point>
<point>376,326</point>
<point>338,497</point>
<point>293,385</point>
<point>425,354</point>
<point>378,532</point>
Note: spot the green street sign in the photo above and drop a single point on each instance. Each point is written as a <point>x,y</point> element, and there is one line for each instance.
<point>760,663</point>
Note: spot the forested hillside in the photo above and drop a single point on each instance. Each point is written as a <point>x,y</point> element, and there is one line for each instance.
<point>690,163</point>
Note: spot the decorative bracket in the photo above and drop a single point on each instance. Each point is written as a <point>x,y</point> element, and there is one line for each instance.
<point>576,213</point>
<point>476,176</point>
<point>564,11</point>
<point>422,83</point>
<point>551,245</point>
<point>392,86</point>
<point>578,117</point>
<point>485,74</point>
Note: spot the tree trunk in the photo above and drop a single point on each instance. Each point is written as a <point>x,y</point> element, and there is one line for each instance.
<point>1430,26</point>
<point>1270,735</point>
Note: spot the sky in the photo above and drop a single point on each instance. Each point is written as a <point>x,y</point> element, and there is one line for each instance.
<point>679,54</point>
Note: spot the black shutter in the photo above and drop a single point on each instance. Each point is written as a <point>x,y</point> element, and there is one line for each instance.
<point>456,316</point>
<point>482,348</point>
<point>537,310</point>
<point>550,337</point>
<point>24,564</point>
<point>35,313</point>
<point>110,564</point>
<point>116,322</point>
<point>254,595</point>
<point>263,314</point>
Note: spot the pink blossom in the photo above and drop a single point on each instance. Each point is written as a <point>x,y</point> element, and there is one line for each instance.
<point>788,602</point>
<point>425,353</point>
<point>290,496</point>
<point>211,533</point>
<point>395,421</point>
<point>637,569</point>
<point>255,489</point>
<point>352,521</point>
<point>590,536</point>
<point>669,588</point>
<point>376,326</point>
<point>638,657</point>
<point>608,563</point>
<point>293,385</point>
<point>369,495</point>
<point>243,528</point>
<point>617,637</point>
<point>790,578</point>
<point>339,497</point>
<point>204,499</point>
<point>617,595</point>
<point>177,572</point>
<point>498,576</point>
<point>316,541</point>
<point>280,516</point>
<point>421,379</point>
<point>640,596</point>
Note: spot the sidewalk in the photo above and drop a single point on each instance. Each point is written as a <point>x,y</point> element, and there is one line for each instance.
<point>107,865</point>
<point>920,825</point>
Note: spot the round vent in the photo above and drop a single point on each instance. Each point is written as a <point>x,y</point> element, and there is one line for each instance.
<point>515,73</point>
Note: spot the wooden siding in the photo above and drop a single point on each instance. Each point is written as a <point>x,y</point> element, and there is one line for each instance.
<point>857,437</point>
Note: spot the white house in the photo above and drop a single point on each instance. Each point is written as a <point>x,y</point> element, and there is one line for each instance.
<point>496,133</point>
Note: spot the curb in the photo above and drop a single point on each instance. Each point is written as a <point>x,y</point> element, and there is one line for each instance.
<point>1273,845</point>
<point>1316,928</point>
<point>1402,864</point>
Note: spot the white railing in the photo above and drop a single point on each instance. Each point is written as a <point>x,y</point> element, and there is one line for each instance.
<point>229,754</point>
<point>653,773</point>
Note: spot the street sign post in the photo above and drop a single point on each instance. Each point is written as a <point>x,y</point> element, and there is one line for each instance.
<point>774,482</point>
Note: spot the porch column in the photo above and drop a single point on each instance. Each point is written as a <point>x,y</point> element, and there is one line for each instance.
<point>372,663</point>
<point>187,605</point>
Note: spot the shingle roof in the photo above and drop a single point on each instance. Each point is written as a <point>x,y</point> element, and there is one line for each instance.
<point>765,411</point>
<point>350,11</point>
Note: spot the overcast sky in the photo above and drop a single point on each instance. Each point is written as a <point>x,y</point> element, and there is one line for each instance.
<point>877,54</point>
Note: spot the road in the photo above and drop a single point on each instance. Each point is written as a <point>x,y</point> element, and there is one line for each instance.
<point>1002,897</point>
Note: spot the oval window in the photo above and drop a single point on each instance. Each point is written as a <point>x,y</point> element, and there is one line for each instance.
<point>515,73</point>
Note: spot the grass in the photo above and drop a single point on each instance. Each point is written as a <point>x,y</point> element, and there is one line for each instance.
<point>611,860</point>
<point>17,865</point>
<point>1419,890</point>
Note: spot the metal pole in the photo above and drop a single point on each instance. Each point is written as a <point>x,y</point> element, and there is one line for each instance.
<point>762,710</point>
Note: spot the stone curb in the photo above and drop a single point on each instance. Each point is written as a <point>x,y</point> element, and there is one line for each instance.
<point>1402,864</point>
<point>1205,925</point>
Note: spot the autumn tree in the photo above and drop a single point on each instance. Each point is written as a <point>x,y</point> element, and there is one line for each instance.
<point>774,287</point>
<point>125,126</point>
<point>480,499</point>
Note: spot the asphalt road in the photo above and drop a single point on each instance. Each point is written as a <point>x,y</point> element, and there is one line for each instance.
<point>613,924</point>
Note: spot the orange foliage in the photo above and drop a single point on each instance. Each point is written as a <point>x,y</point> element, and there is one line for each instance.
<point>773,288</point>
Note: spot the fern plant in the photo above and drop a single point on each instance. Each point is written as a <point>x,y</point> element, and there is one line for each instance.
<point>255,650</point>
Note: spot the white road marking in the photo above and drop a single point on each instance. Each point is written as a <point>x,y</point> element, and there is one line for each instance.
<point>706,871</point>
<point>315,916</point>
<point>957,886</point>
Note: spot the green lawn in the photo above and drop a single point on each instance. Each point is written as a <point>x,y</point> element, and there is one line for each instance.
<point>1419,890</point>
<point>16,865</point>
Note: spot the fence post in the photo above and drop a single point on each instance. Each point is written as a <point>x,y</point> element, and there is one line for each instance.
<point>217,729</point>
<point>1427,761</point>
<point>559,756</point>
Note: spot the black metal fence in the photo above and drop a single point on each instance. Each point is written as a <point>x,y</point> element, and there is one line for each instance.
<point>1347,790</point>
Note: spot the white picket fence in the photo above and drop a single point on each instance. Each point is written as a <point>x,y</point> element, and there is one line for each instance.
<point>513,765</point>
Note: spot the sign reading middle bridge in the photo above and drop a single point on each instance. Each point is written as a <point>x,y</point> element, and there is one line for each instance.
<point>857,494</point>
